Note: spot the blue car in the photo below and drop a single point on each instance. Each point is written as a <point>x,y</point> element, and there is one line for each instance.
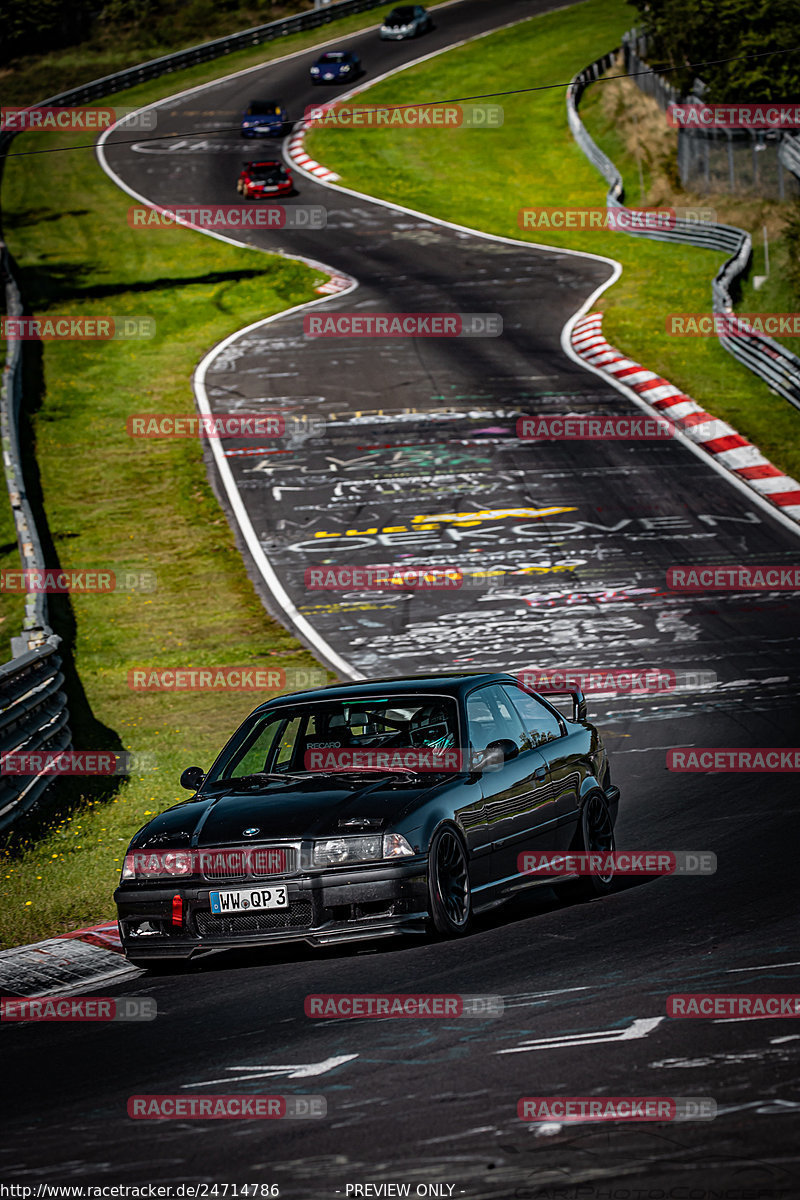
<point>264,118</point>
<point>336,66</point>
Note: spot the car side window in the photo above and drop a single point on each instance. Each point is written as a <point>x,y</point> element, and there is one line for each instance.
<point>491,716</point>
<point>540,724</point>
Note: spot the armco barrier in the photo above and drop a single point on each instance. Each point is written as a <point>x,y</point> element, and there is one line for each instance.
<point>35,627</point>
<point>33,716</point>
<point>33,709</point>
<point>777,366</point>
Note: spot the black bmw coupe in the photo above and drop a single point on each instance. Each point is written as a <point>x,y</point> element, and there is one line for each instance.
<point>363,810</point>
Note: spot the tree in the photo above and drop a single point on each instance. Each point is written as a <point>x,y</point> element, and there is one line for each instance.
<point>685,32</point>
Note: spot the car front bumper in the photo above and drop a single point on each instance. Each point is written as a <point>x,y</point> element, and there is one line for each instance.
<point>284,190</point>
<point>324,908</point>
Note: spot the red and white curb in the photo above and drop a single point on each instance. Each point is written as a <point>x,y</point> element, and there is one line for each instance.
<point>715,437</point>
<point>296,153</point>
<point>336,283</point>
<point>64,965</point>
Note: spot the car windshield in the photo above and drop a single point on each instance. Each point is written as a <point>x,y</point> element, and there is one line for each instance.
<point>299,738</point>
<point>400,16</point>
<point>263,108</point>
<point>267,172</point>
<point>333,56</point>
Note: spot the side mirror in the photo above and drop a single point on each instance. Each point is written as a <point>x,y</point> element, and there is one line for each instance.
<point>578,704</point>
<point>191,778</point>
<point>495,754</point>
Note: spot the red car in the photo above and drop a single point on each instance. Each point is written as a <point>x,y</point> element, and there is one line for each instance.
<point>268,178</point>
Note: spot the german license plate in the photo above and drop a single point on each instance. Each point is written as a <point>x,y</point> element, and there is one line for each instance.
<point>249,899</point>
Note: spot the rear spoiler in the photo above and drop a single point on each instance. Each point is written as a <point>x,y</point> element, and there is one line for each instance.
<point>578,699</point>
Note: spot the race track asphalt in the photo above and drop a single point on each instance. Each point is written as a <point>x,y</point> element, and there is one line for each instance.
<point>417,434</point>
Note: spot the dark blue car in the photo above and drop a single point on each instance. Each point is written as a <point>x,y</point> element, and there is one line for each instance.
<point>264,118</point>
<point>336,66</point>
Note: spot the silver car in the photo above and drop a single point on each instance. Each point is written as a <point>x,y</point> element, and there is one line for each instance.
<point>406,22</point>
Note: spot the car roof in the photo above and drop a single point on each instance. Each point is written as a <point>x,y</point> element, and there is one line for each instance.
<point>453,683</point>
<point>265,162</point>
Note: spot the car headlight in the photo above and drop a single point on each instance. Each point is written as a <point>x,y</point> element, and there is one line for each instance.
<point>158,864</point>
<point>345,68</point>
<point>342,850</point>
<point>315,70</point>
<point>395,846</point>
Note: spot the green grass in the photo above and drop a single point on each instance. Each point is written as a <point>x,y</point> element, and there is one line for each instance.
<point>483,177</point>
<point>121,503</point>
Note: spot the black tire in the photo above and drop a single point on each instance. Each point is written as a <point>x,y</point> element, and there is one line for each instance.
<point>449,891</point>
<point>595,832</point>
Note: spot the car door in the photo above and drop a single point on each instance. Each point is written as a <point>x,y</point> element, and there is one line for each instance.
<point>518,795</point>
<point>563,747</point>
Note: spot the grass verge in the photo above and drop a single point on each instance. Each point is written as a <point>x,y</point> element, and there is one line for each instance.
<point>484,177</point>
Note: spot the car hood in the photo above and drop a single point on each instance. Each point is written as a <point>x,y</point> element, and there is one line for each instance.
<point>303,810</point>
